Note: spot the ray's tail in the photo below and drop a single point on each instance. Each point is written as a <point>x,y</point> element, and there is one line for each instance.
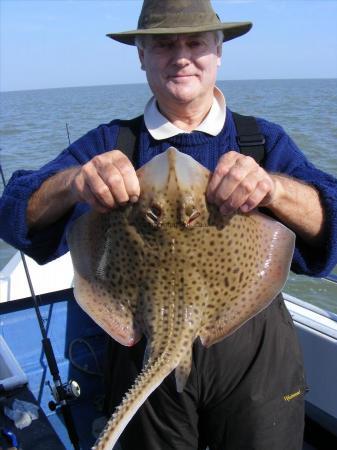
<point>146,382</point>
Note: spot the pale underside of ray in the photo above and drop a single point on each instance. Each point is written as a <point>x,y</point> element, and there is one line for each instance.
<point>160,269</point>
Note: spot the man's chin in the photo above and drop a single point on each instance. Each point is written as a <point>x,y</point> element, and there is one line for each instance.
<point>184,94</point>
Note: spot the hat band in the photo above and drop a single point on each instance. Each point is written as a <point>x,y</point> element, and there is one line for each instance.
<point>175,20</point>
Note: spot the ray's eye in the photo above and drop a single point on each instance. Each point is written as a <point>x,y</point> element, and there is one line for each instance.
<point>153,214</point>
<point>195,214</point>
<point>191,214</point>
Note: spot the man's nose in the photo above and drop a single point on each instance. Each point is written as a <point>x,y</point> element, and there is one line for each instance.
<point>182,55</point>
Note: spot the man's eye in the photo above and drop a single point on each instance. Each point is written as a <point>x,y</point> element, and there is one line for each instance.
<point>163,45</point>
<point>194,44</point>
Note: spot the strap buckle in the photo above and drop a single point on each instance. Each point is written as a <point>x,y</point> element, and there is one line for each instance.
<point>251,140</point>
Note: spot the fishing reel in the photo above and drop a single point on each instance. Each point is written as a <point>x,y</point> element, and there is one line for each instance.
<point>65,392</point>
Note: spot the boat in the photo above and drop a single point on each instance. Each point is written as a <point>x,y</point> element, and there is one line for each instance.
<point>79,345</point>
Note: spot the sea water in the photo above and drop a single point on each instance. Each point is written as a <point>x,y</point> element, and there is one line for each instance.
<point>33,131</point>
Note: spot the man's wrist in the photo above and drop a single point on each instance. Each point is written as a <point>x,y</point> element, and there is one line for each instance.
<point>69,186</point>
<point>278,193</point>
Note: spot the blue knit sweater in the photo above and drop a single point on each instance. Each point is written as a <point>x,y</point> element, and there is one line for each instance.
<point>282,156</point>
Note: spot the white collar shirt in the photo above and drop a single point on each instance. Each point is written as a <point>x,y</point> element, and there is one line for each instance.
<point>161,128</point>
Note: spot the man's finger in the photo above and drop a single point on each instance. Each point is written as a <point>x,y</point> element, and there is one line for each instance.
<point>238,196</point>
<point>116,184</point>
<point>129,176</point>
<point>238,183</point>
<point>224,165</point>
<point>93,202</point>
<point>263,192</point>
<point>97,186</point>
<point>118,174</point>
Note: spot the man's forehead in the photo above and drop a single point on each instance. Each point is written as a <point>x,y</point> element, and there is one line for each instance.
<point>174,37</point>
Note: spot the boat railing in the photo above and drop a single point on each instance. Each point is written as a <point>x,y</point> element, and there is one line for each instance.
<point>316,309</point>
<point>332,277</point>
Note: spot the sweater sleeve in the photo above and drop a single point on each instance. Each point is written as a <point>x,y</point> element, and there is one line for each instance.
<point>283,156</point>
<point>49,243</point>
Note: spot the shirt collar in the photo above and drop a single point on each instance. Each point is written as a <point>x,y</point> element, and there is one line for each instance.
<point>160,128</point>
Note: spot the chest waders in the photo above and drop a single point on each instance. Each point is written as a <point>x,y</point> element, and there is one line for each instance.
<point>245,392</point>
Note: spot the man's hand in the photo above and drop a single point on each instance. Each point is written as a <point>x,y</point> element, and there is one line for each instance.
<point>105,181</point>
<point>239,183</point>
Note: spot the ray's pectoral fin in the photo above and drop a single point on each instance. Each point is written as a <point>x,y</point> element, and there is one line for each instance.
<point>254,272</point>
<point>106,278</point>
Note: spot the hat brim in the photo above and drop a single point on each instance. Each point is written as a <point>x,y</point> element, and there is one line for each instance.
<point>230,30</point>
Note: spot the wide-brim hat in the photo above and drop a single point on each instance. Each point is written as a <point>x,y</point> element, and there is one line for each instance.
<point>180,17</point>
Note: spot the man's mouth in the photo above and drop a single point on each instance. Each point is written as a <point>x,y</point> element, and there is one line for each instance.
<point>181,76</point>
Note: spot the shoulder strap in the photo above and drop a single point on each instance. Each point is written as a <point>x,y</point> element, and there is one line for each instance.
<point>249,138</point>
<point>128,136</point>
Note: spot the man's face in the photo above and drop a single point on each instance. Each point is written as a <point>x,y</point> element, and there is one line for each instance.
<point>181,68</point>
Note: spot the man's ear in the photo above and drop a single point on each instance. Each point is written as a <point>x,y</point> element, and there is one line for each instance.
<point>141,58</point>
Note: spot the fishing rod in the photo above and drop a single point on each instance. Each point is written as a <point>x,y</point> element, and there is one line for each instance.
<point>67,128</point>
<point>62,392</point>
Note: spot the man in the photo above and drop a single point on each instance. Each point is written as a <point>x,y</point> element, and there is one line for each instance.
<point>235,395</point>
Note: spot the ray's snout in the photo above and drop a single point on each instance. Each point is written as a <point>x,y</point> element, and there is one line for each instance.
<point>173,187</point>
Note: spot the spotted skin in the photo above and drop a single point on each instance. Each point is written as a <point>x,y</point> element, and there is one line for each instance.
<point>173,268</point>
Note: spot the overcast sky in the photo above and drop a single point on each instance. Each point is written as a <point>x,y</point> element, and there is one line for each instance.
<point>58,43</point>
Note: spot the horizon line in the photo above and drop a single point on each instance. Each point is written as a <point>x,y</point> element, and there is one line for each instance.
<point>145,83</point>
